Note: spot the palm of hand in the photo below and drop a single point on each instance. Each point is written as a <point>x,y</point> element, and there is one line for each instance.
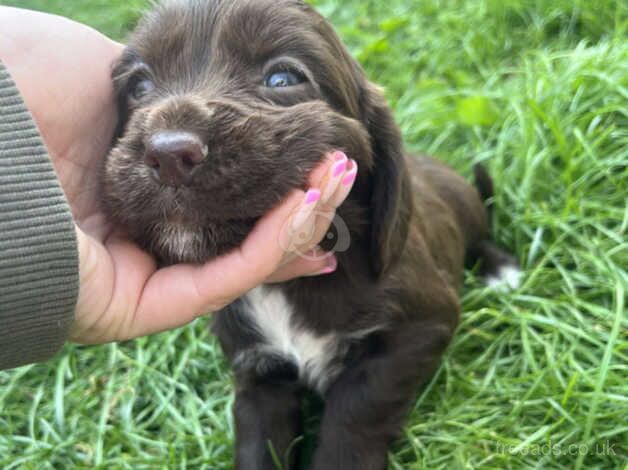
<point>78,164</point>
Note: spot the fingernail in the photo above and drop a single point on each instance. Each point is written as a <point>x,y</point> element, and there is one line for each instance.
<point>337,170</point>
<point>347,185</point>
<point>341,164</point>
<point>312,195</point>
<point>305,210</point>
<point>332,265</point>
<point>351,174</point>
<point>339,155</point>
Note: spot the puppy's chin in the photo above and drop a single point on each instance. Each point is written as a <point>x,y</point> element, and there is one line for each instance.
<point>172,242</point>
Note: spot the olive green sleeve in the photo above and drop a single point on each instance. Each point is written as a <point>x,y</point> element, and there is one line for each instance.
<point>38,250</point>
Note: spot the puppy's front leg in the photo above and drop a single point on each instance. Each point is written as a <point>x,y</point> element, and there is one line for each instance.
<point>366,406</point>
<point>267,416</point>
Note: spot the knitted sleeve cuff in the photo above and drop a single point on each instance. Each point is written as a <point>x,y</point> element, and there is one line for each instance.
<point>38,248</point>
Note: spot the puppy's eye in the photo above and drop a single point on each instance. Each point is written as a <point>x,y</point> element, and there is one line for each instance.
<point>141,87</point>
<point>284,78</point>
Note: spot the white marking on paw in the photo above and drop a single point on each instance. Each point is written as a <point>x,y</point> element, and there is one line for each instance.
<point>507,278</point>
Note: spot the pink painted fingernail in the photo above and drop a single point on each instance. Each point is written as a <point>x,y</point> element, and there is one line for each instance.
<point>312,195</point>
<point>341,164</point>
<point>338,156</point>
<point>350,176</point>
<point>332,265</point>
<point>349,179</point>
<point>339,169</point>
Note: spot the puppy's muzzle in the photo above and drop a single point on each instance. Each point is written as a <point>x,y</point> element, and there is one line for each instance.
<point>173,156</point>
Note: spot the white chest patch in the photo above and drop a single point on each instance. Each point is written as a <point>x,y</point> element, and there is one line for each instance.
<point>314,354</point>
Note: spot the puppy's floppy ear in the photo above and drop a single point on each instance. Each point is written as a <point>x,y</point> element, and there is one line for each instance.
<point>390,199</point>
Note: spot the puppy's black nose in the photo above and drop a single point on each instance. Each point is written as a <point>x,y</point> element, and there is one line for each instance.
<point>173,155</point>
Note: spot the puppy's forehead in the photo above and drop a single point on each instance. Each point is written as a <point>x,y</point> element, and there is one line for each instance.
<point>190,35</point>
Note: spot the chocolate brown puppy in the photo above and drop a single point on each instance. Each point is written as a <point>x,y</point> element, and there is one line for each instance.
<point>226,105</point>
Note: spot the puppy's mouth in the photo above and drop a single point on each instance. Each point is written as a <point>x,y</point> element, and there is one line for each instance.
<point>191,208</point>
<point>175,242</point>
<point>176,204</point>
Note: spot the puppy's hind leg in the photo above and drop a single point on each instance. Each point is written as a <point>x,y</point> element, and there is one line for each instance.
<point>499,268</point>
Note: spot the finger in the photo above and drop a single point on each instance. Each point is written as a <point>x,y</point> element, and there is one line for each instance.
<point>321,217</point>
<point>318,225</point>
<point>315,263</point>
<point>345,186</point>
<point>334,176</point>
<point>327,176</point>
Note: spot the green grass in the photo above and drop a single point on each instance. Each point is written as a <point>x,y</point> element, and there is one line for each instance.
<point>538,378</point>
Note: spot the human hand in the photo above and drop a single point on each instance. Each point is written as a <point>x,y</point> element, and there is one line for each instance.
<point>62,69</point>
